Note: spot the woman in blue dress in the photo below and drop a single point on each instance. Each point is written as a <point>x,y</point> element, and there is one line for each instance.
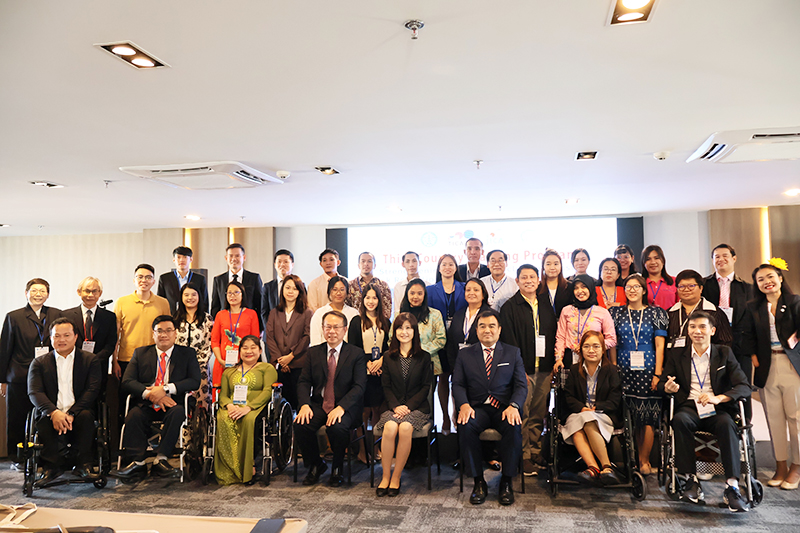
<point>639,354</point>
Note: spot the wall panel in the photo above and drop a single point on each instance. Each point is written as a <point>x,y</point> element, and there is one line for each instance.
<point>784,229</point>
<point>740,228</point>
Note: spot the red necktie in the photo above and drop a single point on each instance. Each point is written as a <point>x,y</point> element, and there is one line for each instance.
<point>492,400</point>
<point>162,369</point>
<point>328,401</point>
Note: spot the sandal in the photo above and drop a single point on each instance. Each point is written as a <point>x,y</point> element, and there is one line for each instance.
<point>590,476</point>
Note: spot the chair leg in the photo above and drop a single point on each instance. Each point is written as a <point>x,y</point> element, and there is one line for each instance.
<point>521,475</point>
<point>438,452</point>
<point>294,460</point>
<point>429,460</point>
<point>460,469</point>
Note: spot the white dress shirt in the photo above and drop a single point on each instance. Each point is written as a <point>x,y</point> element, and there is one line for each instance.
<point>700,367</point>
<point>64,367</point>
<point>499,291</point>
<point>171,386</point>
<point>337,350</point>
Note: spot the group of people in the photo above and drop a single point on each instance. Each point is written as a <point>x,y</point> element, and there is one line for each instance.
<point>353,352</point>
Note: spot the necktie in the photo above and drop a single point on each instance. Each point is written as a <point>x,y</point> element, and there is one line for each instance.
<point>236,277</point>
<point>492,400</point>
<point>328,401</point>
<point>87,326</point>
<point>724,292</point>
<point>162,370</point>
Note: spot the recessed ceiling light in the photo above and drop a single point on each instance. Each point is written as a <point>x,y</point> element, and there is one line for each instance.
<point>47,184</point>
<point>627,17</point>
<point>630,11</point>
<point>191,217</point>
<point>5,225</point>
<point>132,54</point>
<point>792,192</point>
<point>580,156</point>
<point>328,171</point>
<point>571,201</point>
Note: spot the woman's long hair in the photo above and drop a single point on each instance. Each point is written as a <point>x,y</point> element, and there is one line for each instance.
<point>394,345</point>
<point>759,296</point>
<point>180,313</point>
<point>420,313</point>
<point>301,303</point>
<point>562,281</point>
<point>366,321</point>
<point>255,340</point>
<point>604,360</point>
<point>239,286</point>
<point>456,274</point>
<point>660,253</point>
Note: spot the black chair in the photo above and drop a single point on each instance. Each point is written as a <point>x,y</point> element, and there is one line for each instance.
<point>487,435</point>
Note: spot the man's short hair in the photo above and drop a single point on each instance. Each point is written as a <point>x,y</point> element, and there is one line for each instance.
<point>407,253</point>
<point>62,320</point>
<point>182,250</point>
<point>699,315</point>
<point>489,255</point>
<point>88,279</point>
<point>337,314</point>
<point>487,314</point>
<point>683,275</point>
<point>146,267</point>
<point>474,239</point>
<point>374,261</point>
<point>283,251</point>
<point>527,266</point>
<point>723,245</point>
<point>164,318</point>
<point>37,281</point>
<point>327,251</point>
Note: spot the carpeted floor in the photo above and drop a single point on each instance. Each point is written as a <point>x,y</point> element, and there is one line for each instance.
<point>443,509</point>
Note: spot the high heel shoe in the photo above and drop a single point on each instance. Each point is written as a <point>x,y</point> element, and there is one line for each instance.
<point>380,492</point>
<point>394,491</point>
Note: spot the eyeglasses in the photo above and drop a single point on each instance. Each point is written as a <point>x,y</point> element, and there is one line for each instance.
<point>338,289</point>
<point>165,331</point>
<point>592,347</point>
<point>610,269</point>
<point>690,287</point>
<point>145,278</point>
<point>500,261</point>
<point>96,291</point>
<point>328,327</point>
<point>633,288</point>
<point>38,291</point>
<point>234,293</point>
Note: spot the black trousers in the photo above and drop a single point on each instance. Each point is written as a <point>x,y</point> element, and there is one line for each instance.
<point>338,435</point>
<point>509,447</point>
<point>289,380</point>
<point>138,428</point>
<point>81,439</point>
<point>686,421</point>
<point>18,405</point>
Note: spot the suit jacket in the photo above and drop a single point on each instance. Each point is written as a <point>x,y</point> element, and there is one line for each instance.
<point>741,292</point>
<point>269,298</point>
<point>169,288</point>
<point>507,382</point>
<point>438,300</point>
<point>184,372</point>
<point>413,393</point>
<point>349,381</point>
<point>562,299</point>
<point>608,394</point>
<point>252,298</point>
<point>22,333</point>
<point>727,377</point>
<point>517,321</point>
<point>756,338</point>
<point>283,337</point>
<point>43,382</point>
<point>103,333</point>
<point>677,314</point>
<point>483,270</point>
<point>455,335</point>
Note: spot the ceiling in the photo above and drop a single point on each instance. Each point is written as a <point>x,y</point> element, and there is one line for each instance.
<point>522,85</point>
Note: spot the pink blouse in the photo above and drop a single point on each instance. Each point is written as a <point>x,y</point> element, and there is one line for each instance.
<point>662,295</point>
<point>571,326</point>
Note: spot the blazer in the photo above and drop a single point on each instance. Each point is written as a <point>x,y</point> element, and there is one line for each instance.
<point>727,377</point>
<point>676,314</point>
<point>252,297</point>
<point>43,382</point>
<point>455,335</point>
<point>283,337</point>
<point>518,329</point>
<point>22,333</point>
<point>507,382</point>
<point>169,288</point>
<point>354,336</point>
<point>104,331</point>
<point>413,393</point>
<point>741,292</point>
<point>438,300</point>
<point>184,372</point>
<point>349,381</point>
<point>608,395</point>
<point>269,298</point>
<point>756,338</point>
<point>483,270</point>
<point>562,299</point>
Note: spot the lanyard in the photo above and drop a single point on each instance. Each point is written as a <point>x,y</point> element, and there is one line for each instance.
<point>655,295</point>
<point>591,392</point>
<point>449,301</point>
<point>230,318</point>
<point>581,328</point>
<point>188,281</point>
<point>491,283</point>
<point>468,321</point>
<point>708,372</point>
<point>605,296</point>
<point>375,335</point>
<point>39,331</point>
<point>245,373</point>
<point>683,322</point>
<point>639,331</point>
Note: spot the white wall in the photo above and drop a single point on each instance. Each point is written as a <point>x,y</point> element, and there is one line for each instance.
<point>684,238</point>
<point>306,243</point>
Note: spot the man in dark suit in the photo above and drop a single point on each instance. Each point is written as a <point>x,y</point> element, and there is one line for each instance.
<point>96,327</point>
<point>63,386</point>
<point>730,293</point>
<point>331,393</point>
<point>473,268</point>
<point>170,283</point>
<point>234,256</point>
<point>24,336</point>
<point>489,388</point>
<point>158,378</point>
<point>707,382</point>
<point>690,292</point>
<point>284,263</point>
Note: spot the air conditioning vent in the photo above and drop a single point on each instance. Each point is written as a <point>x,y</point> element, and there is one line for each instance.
<point>776,136</point>
<point>205,176</point>
<point>750,145</point>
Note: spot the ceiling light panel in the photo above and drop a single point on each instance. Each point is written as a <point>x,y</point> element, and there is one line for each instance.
<point>133,55</point>
<point>630,11</point>
<point>328,171</point>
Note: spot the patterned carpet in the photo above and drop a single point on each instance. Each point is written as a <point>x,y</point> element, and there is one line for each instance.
<point>443,509</point>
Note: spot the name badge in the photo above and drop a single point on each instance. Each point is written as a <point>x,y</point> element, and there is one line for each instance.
<point>239,394</point>
<point>728,313</point>
<point>39,351</point>
<point>88,346</point>
<point>376,353</point>
<point>680,342</point>
<point>637,360</point>
<point>705,411</point>
<point>462,345</point>
<point>231,356</point>
<point>448,322</point>
<point>575,357</point>
<point>540,345</point>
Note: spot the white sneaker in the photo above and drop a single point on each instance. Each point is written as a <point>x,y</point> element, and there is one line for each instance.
<point>705,476</point>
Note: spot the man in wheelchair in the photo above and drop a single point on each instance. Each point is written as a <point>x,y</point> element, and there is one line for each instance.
<point>63,387</point>
<point>157,378</point>
<point>707,382</point>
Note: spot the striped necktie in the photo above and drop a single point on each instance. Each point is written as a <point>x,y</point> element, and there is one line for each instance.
<point>492,400</point>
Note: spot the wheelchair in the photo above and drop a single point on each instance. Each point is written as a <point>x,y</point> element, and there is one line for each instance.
<point>183,449</point>
<point>707,453</point>
<point>563,460</point>
<point>277,437</point>
<point>30,450</point>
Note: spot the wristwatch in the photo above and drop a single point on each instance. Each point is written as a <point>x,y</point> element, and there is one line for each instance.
<point>166,389</point>
<point>514,405</point>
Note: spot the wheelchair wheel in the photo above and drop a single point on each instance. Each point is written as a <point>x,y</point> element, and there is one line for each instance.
<point>678,492</point>
<point>101,482</point>
<point>285,439</point>
<point>205,472</point>
<point>551,481</point>
<point>758,492</point>
<point>638,487</point>
<point>29,455</point>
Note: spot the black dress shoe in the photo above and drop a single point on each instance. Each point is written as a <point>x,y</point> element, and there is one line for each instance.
<point>393,492</point>
<point>337,479</point>
<point>133,471</point>
<point>83,472</point>
<point>50,475</point>
<point>478,495</point>
<point>380,492</point>
<point>314,473</point>
<point>495,465</point>
<point>506,493</point>
<point>163,469</point>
